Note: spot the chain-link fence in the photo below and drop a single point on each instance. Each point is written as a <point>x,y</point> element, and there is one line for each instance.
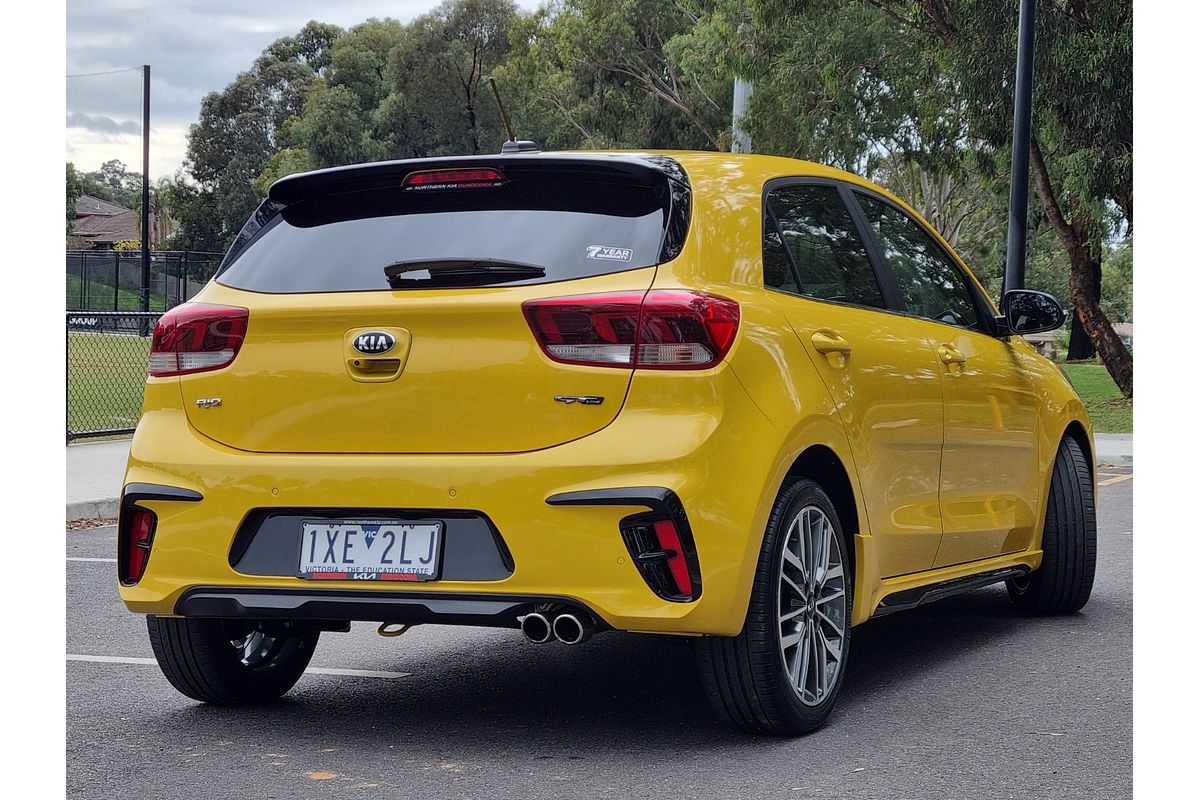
<point>107,356</point>
<point>111,280</point>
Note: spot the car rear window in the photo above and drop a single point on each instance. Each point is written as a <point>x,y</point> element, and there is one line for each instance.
<point>570,225</point>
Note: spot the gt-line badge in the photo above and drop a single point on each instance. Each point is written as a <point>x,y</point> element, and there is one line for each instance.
<point>606,253</point>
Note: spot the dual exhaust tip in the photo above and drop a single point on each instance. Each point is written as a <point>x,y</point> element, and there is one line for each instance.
<point>566,627</point>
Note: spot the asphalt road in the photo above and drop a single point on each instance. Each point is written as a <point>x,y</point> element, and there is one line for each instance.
<point>960,699</point>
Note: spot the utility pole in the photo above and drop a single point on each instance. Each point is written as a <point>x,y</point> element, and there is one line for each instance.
<point>741,98</point>
<point>1018,197</point>
<point>145,290</point>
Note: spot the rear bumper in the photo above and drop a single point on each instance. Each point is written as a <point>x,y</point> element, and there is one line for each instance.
<point>703,440</point>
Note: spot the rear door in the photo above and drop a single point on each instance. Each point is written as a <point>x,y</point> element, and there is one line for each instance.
<point>878,365</point>
<point>339,357</point>
<point>989,477</point>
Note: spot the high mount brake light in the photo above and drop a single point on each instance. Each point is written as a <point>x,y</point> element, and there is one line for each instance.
<point>660,329</point>
<point>195,337</point>
<point>453,179</point>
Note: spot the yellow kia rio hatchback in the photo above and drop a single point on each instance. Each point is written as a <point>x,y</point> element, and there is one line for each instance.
<point>747,399</point>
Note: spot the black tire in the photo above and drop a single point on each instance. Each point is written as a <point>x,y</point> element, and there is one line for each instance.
<point>745,676</point>
<point>200,659</point>
<point>1063,582</point>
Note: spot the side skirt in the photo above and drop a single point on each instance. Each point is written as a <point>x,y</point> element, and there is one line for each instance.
<point>918,596</point>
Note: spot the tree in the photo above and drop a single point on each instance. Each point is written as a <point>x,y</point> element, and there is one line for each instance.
<point>238,131</point>
<point>74,191</point>
<point>1082,144</point>
<point>619,73</point>
<point>339,123</point>
<point>437,73</point>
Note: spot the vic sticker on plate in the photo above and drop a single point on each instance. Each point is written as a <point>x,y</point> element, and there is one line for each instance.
<point>609,253</point>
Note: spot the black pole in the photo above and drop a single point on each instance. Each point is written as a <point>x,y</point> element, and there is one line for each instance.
<point>1018,197</point>
<point>145,292</point>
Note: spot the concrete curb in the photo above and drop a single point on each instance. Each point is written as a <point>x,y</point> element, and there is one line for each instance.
<point>92,509</point>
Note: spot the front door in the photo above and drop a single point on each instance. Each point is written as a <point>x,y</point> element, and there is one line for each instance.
<point>877,365</point>
<point>989,473</point>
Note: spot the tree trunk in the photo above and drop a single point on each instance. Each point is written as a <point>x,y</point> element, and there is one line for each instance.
<point>1083,249</point>
<point>1080,347</point>
<point>1084,287</point>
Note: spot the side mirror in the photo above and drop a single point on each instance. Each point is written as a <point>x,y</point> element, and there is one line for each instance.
<point>1029,311</point>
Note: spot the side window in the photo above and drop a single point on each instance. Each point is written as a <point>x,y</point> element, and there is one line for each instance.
<point>777,272</point>
<point>816,231</point>
<point>931,284</point>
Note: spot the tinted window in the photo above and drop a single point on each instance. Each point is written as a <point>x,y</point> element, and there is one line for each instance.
<point>830,259</point>
<point>777,271</point>
<point>341,242</point>
<point>931,284</point>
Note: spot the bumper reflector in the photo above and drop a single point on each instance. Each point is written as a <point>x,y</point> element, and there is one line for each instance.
<point>668,539</point>
<point>138,533</point>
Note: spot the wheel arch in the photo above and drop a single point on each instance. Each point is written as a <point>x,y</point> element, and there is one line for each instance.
<point>822,465</point>
<point>1079,433</point>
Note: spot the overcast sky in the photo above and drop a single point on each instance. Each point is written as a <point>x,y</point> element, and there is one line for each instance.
<point>193,47</point>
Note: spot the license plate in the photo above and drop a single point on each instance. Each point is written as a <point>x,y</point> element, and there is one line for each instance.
<point>370,550</point>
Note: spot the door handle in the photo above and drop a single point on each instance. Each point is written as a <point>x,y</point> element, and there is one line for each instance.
<point>949,354</point>
<point>826,341</point>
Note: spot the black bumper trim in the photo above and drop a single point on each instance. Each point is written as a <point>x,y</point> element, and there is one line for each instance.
<point>133,492</point>
<point>408,607</point>
<point>658,499</point>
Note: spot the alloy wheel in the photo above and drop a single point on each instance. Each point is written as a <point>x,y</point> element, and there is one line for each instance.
<point>812,606</point>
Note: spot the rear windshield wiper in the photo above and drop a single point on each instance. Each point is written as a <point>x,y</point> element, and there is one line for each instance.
<point>429,273</point>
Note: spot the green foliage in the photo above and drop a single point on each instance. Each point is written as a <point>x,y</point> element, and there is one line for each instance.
<point>620,73</point>
<point>74,191</point>
<point>1116,282</point>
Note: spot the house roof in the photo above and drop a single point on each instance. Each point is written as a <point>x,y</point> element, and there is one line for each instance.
<point>87,206</point>
<point>108,227</point>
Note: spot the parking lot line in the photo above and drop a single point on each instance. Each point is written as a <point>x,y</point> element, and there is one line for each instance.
<point>1115,479</point>
<point>81,558</point>
<point>352,673</point>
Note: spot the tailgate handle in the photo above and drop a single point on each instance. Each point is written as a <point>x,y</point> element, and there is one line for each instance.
<point>372,370</point>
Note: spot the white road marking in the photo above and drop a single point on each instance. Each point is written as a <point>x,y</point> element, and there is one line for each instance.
<point>352,673</point>
<point>81,558</point>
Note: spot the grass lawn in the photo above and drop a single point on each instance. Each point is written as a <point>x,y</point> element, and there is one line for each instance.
<point>106,376</point>
<point>100,297</point>
<point>1108,408</point>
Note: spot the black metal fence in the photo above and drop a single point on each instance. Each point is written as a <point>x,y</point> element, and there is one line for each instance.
<point>110,280</point>
<point>107,356</point>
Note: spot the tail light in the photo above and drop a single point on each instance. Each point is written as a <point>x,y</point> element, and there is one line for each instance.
<point>660,329</point>
<point>137,532</point>
<point>195,337</point>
